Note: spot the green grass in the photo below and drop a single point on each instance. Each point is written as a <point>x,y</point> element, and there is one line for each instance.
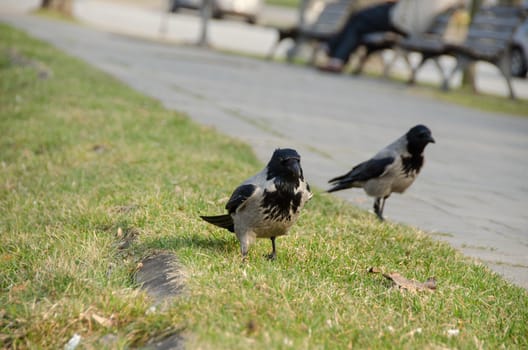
<point>284,3</point>
<point>82,155</point>
<point>465,96</point>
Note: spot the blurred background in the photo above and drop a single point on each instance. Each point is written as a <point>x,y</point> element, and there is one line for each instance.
<point>247,26</point>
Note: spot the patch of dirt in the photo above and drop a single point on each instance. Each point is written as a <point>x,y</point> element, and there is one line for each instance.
<point>160,275</point>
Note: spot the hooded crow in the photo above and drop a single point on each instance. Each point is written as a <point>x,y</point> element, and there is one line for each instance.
<point>267,204</point>
<point>393,169</point>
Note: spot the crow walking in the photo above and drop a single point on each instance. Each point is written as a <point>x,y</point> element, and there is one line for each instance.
<point>267,204</point>
<point>393,169</point>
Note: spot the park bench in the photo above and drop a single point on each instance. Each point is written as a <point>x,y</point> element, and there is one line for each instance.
<point>489,39</point>
<point>430,45</point>
<point>329,21</point>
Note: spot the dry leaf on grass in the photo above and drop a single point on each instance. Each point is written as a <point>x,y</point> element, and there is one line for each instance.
<point>20,287</point>
<point>403,283</point>
<point>105,322</point>
<point>89,315</point>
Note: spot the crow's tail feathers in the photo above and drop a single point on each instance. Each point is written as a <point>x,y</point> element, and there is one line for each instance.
<point>340,186</point>
<point>341,183</point>
<point>223,221</point>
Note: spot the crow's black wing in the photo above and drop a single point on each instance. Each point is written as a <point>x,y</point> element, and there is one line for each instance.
<point>239,196</point>
<point>362,172</point>
<point>370,169</point>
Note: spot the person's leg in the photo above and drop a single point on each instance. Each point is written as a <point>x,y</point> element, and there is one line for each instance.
<point>370,20</point>
<point>335,40</point>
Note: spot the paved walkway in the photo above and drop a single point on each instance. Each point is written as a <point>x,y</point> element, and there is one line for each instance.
<point>471,192</point>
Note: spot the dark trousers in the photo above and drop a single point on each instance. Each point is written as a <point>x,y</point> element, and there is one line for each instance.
<point>370,20</point>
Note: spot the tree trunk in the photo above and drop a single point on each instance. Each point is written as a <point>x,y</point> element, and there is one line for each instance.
<point>62,6</point>
<point>205,13</point>
<point>468,76</point>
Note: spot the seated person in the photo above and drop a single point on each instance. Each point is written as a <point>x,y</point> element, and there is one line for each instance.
<point>407,17</point>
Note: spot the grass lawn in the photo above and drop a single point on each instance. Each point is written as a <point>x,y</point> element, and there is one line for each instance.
<point>285,3</point>
<point>82,155</point>
<point>491,103</point>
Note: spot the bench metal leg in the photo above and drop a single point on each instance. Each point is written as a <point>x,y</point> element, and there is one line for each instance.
<point>292,52</point>
<point>362,60</point>
<point>271,52</point>
<point>414,70</point>
<point>282,34</point>
<point>387,66</point>
<point>461,64</point>
<point>503,65</point>
<point>441,71</point>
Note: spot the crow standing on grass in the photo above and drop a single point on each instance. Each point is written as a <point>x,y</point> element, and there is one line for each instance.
<point>393,169</point>
<point>267,204</point>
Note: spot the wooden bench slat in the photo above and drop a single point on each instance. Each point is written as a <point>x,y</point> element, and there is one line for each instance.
<point>328,22</point>
<point>501,11</point>
<point>488,34</point>
<point>494,21</point>
<point>429,44</point>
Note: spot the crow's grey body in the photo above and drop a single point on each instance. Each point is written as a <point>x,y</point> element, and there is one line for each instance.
<point>267,204</point>
<point>393,169</point>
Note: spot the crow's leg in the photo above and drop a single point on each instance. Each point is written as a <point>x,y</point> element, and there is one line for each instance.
<point>380,205</point>
<point>378,208</point>
<point>273,254</point>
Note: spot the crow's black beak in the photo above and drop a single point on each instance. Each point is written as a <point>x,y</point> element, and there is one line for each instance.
<point>430,139</point>
<point>295,167</point>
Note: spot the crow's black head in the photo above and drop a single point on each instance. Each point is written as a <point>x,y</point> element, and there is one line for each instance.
<point>285,163</point>
<point>417,138</point>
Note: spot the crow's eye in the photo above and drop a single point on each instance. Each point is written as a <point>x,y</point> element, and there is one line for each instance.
<point>288,161</point>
